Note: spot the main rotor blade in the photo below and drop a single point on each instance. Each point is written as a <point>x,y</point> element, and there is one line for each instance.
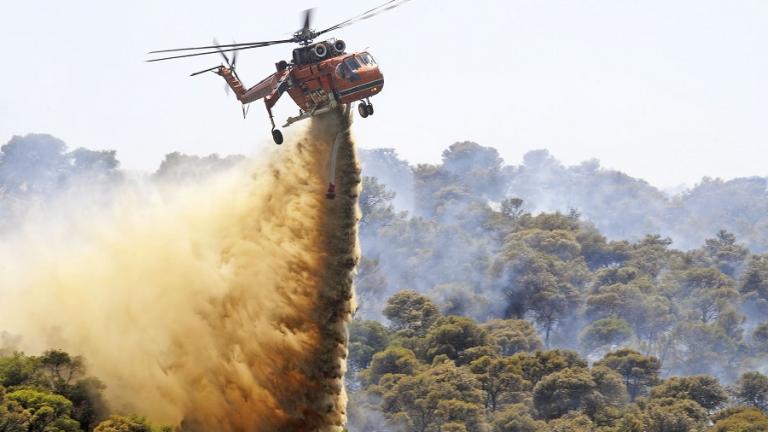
<point>233,64</point>
<point>226,59</point>
<point>249,44</point>
<point>204,71</point>
<point>391,4</point>
<point>307,19</point>
<point>206,53</point>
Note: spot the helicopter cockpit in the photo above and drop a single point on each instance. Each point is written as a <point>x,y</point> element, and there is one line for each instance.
<point>349,69</point>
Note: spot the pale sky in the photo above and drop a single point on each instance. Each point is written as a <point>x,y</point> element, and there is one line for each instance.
<point>666,90</point>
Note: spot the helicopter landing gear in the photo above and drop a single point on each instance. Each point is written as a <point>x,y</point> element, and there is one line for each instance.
<point>277,136</point>
<point>365,108</point>
<point>362,108</point>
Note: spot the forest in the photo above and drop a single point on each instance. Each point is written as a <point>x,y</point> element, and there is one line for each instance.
<point>478,311</point>
<point>491,297</point>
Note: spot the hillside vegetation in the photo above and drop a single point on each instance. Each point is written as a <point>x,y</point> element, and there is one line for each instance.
<point>491,297</point>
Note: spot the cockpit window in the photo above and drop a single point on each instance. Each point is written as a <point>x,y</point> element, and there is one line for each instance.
<point>366,59</point>
<point>352,63</point>
<point>345,70</point>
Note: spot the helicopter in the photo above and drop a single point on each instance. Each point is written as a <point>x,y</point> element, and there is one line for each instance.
<point>320,77</point>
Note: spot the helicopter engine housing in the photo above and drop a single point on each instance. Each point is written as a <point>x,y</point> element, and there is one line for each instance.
<point>320,51</point>
<point>339,46</point>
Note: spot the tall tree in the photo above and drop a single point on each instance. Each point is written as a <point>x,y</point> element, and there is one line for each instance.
<point>752,390</point>
<point>639,372</point>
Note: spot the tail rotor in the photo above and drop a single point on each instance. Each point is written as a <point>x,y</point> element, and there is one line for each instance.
<point>231,63</point>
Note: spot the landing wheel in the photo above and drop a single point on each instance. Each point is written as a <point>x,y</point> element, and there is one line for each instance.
<point>362,108</point>
<point>370,109</point>
<point>277,136</point>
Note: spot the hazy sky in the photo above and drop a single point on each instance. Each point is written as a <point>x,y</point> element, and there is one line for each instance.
<point>662,89</point>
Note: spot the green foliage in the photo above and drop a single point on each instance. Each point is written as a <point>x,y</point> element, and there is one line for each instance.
<point>752,390</point>
<point>501,380</point>
<point>411,313</point>
<point>47,412</point>
<point>511,336</point>
<point>124,424</point>
<point>704,390</point>
<point>516,418</point>
<point>741,420</point>
<point>18,369</point>
<point>392,361</point>
<point>605,332</point>
<point>698,348</point>
<point>754,282</point>
<point>573,422</point>
<point>674,415</point>
<point>443,394</point>
<point>535,366</point>
<point>555,278</point>
<point>365,339</point>
<point>639,372</point>
<point>561,392</point>
<point>375,202</point>
<point>452,336</point>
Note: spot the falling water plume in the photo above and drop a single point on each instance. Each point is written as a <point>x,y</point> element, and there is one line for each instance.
<point>215,307</point>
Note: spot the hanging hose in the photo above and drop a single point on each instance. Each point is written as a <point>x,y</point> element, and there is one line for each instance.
<point>331,193</point>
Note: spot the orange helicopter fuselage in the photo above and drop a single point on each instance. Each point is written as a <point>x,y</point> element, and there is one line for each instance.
<point>315,85</point>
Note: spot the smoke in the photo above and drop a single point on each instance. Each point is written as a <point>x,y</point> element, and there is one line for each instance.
<point>217,306</point>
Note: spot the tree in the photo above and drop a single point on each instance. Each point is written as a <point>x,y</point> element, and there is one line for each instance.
<point>32,164</point>
<point>500,379</point>
<point>48,412</point>
<point>516,418</point>
<point>454,415</point>
<point>476,167</point>
<point>639,372</point>
<point>512,208</point>
<point>366,338</point>
<point>370,287</point>
<point>674,415</point>
<point>460,299</point>
<point>375,203</point>
<point>563,391</point>
<point>702,389</point>
<point>512,336</point>
<point>18,369</point>
<point>760,338</point>
<point>181,168</point>
<point>391,170</point>
<point>699,349</point>
<point>741,419</point>
<point>635,302</point>
<point>752,390</point>
<point>537,365</point>
<point>650,255</point>
<point>572,422</point>
<point>13,417</point>
<point>124,424</point>
<point>536,283</point>
<point>88,403</point>
<point>392,361</point>
<point>451,336</point>
<point>60,369</point>
<point>443,394</point>
<point>753,284</point>
<point>605,332</point>
<point>726,254</point>
<point>411,312</point>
